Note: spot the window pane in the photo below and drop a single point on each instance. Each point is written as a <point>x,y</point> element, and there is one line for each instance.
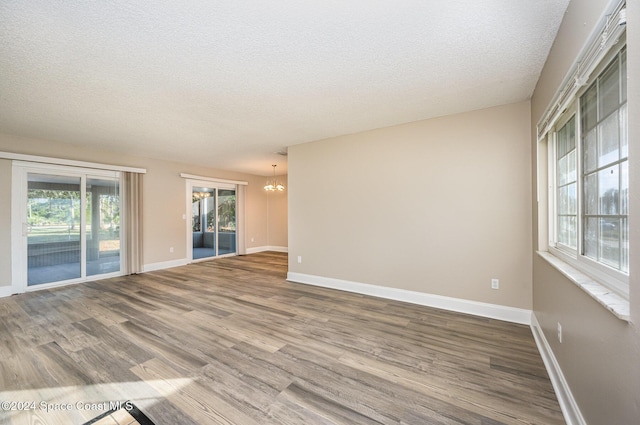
<point>573,232</point>
<point>209,205</point>
<point>571,167</point>
<point>567,231</point>
<point>195,216</point>
<point>588,109</point>
<point>608,185</point>
<point>563,205</point>
<point>572,133</point>
<point>563,230</point>
<point>591,238</point>
<point>203,222</point>
<point>624,133</point>
<point>623,66</point>
<point>567,200</point>
<point>610,241</point>
<point>562,142</point>
<point>609,137</point>
<point>53,228</point>
<point>103,226</point>
<point>591,194</point>
<point>624,240</point>
<point>624,188</point>
<point>572,199</point>
<point>562,171</point>
<point>609,89</point>
<point>227,221</point>
<point>590,149</point>
<point>566,138</point>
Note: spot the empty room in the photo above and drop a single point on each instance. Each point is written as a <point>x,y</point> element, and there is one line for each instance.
<point>305,212</point>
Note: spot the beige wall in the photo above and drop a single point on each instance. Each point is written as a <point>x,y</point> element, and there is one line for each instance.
<point>600,354</point>
<point>164,200</point>
<point>278,216</point>
<point>438,206</point>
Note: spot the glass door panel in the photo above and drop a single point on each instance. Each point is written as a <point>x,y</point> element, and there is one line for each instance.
<point>203,222</point>
<point>213,219</point>
<point>226,221</point>
<point>53,228</point>
<point>103,226</point>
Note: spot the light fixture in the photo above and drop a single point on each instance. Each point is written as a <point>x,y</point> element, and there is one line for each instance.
<point>196,196</point>
<point>273,185</point>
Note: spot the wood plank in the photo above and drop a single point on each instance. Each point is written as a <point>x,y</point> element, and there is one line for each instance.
<point>194,399</point>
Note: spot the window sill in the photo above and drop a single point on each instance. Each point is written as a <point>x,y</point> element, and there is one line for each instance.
<point>613,302</point>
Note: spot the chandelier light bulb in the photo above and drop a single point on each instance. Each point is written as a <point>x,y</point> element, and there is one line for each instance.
<point>273,185</point>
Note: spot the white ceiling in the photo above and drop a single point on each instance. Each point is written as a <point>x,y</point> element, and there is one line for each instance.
<point>228,83</point>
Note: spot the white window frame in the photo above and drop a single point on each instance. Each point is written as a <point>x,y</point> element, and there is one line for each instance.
<point>611,278</point>
<point>553,184</point>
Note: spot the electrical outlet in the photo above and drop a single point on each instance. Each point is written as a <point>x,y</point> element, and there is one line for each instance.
<point>495,284</point>
<point>253,239</point>
<point>171,249</point>
<point>560,332</point>
<point>299,259</point>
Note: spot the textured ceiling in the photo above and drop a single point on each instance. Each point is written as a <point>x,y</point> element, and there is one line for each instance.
<point>228,83</point>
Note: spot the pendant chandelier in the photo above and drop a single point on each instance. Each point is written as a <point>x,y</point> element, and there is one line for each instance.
<point>196,196</point>
<point>273,185</point>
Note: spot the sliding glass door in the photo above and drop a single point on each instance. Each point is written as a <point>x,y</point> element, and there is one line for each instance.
<point>70,227</point>
<point>226,221</point>
<point>102,213</point>
<point>53,228</point>
<point>203,220</point>
<point>213,220</point>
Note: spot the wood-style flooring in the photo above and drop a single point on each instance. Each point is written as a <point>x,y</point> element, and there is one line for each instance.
<point>230,341</point>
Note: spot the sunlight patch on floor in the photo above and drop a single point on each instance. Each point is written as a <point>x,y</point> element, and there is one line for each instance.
<point>78,404</point>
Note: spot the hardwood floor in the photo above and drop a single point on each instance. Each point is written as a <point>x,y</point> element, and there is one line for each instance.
<point>230,341</point>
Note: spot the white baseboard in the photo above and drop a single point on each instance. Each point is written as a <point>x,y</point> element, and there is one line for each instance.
<point>6,291</point>
<point>570,409</point>
<point>257,249</point>
<point>493,311</point>
<point>164,265</point>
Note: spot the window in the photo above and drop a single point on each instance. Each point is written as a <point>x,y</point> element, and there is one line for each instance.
<point>567,192</point>
<point>588,158</point>
<point>605,169</point>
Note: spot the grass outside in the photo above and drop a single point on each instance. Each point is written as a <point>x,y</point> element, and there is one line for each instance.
<point>109,241</point>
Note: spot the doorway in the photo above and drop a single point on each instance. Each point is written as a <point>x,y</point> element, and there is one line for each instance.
<point>212,230</point>
<point>69,226</point>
